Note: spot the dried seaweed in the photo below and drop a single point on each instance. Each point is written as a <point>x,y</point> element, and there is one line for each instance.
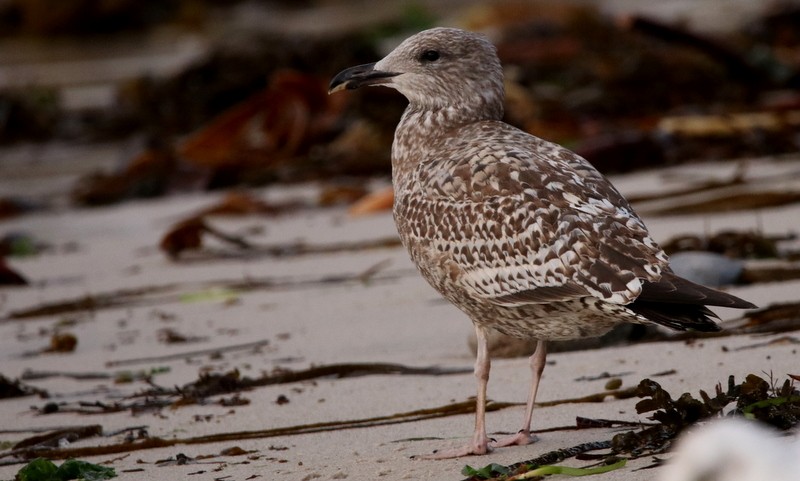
<point>731,243</point>
<point>16,388</point>
<point>724,199</point>
<point>735,63</point>
<point>458,408</point>
<point>672,417</point>
<point>778,406</point>
<point>500,472</point>
<point>190,354</point>
<point>147,175</point>
<point>755,398</point>
<point>772,272</point>
<point>10,277</point>
<point>168,293</point>
<point>192,242</point>
<point>55,438</point>
<point>209,385</point>
<point>593,398</point>
<point>217,384</point>
<point>188,235</point>
<point>89,303</point>
<point>231,381</point>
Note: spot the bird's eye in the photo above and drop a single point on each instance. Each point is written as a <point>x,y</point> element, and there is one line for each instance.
<point>429,56</point>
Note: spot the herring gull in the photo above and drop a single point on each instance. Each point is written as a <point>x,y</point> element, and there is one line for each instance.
<point>522,235</point>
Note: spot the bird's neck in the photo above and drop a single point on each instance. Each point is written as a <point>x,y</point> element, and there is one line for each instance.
<point>421,131</point>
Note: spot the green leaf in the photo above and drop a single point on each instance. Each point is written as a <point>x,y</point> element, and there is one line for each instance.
<point>212,294</point>
<point>568,471</point>
<point>486,472</point>
<point>40,469</point>
<point>776,401</point>
<point>75,469</point>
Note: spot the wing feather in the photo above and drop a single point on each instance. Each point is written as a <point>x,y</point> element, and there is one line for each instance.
<point>527,221</point>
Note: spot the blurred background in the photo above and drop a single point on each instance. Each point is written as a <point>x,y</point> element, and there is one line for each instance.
<point>107,100</point>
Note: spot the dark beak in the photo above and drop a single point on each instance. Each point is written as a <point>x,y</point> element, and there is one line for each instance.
<point>358,76</point>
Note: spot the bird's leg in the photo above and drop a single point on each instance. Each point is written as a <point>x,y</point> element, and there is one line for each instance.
<point>480,441</point>
<point>524,436</point>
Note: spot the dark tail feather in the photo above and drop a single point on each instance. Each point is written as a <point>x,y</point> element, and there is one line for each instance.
<point>681,304</point>
<point>677,316</point>
<point>674,289</point>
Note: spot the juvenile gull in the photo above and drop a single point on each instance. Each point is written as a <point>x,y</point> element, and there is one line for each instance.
<point>522,235</point>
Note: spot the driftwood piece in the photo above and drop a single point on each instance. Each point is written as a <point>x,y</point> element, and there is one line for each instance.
<point>751,195</point>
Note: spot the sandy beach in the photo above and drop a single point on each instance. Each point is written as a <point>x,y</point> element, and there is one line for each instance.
<point>299,342</point>
<point>363,306</point>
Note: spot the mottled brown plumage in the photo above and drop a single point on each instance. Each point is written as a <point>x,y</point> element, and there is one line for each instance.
<point>521,234</point>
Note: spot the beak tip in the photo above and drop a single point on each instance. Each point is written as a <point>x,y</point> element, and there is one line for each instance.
<point>335,88</point>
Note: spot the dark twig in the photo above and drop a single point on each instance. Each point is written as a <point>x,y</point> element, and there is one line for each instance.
<point>202,352</point>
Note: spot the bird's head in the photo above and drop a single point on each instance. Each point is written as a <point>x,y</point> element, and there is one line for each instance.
<point>440,68</point>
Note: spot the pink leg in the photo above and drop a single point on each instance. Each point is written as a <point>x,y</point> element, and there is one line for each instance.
<point>480,441</point>
<point>524,436</point>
